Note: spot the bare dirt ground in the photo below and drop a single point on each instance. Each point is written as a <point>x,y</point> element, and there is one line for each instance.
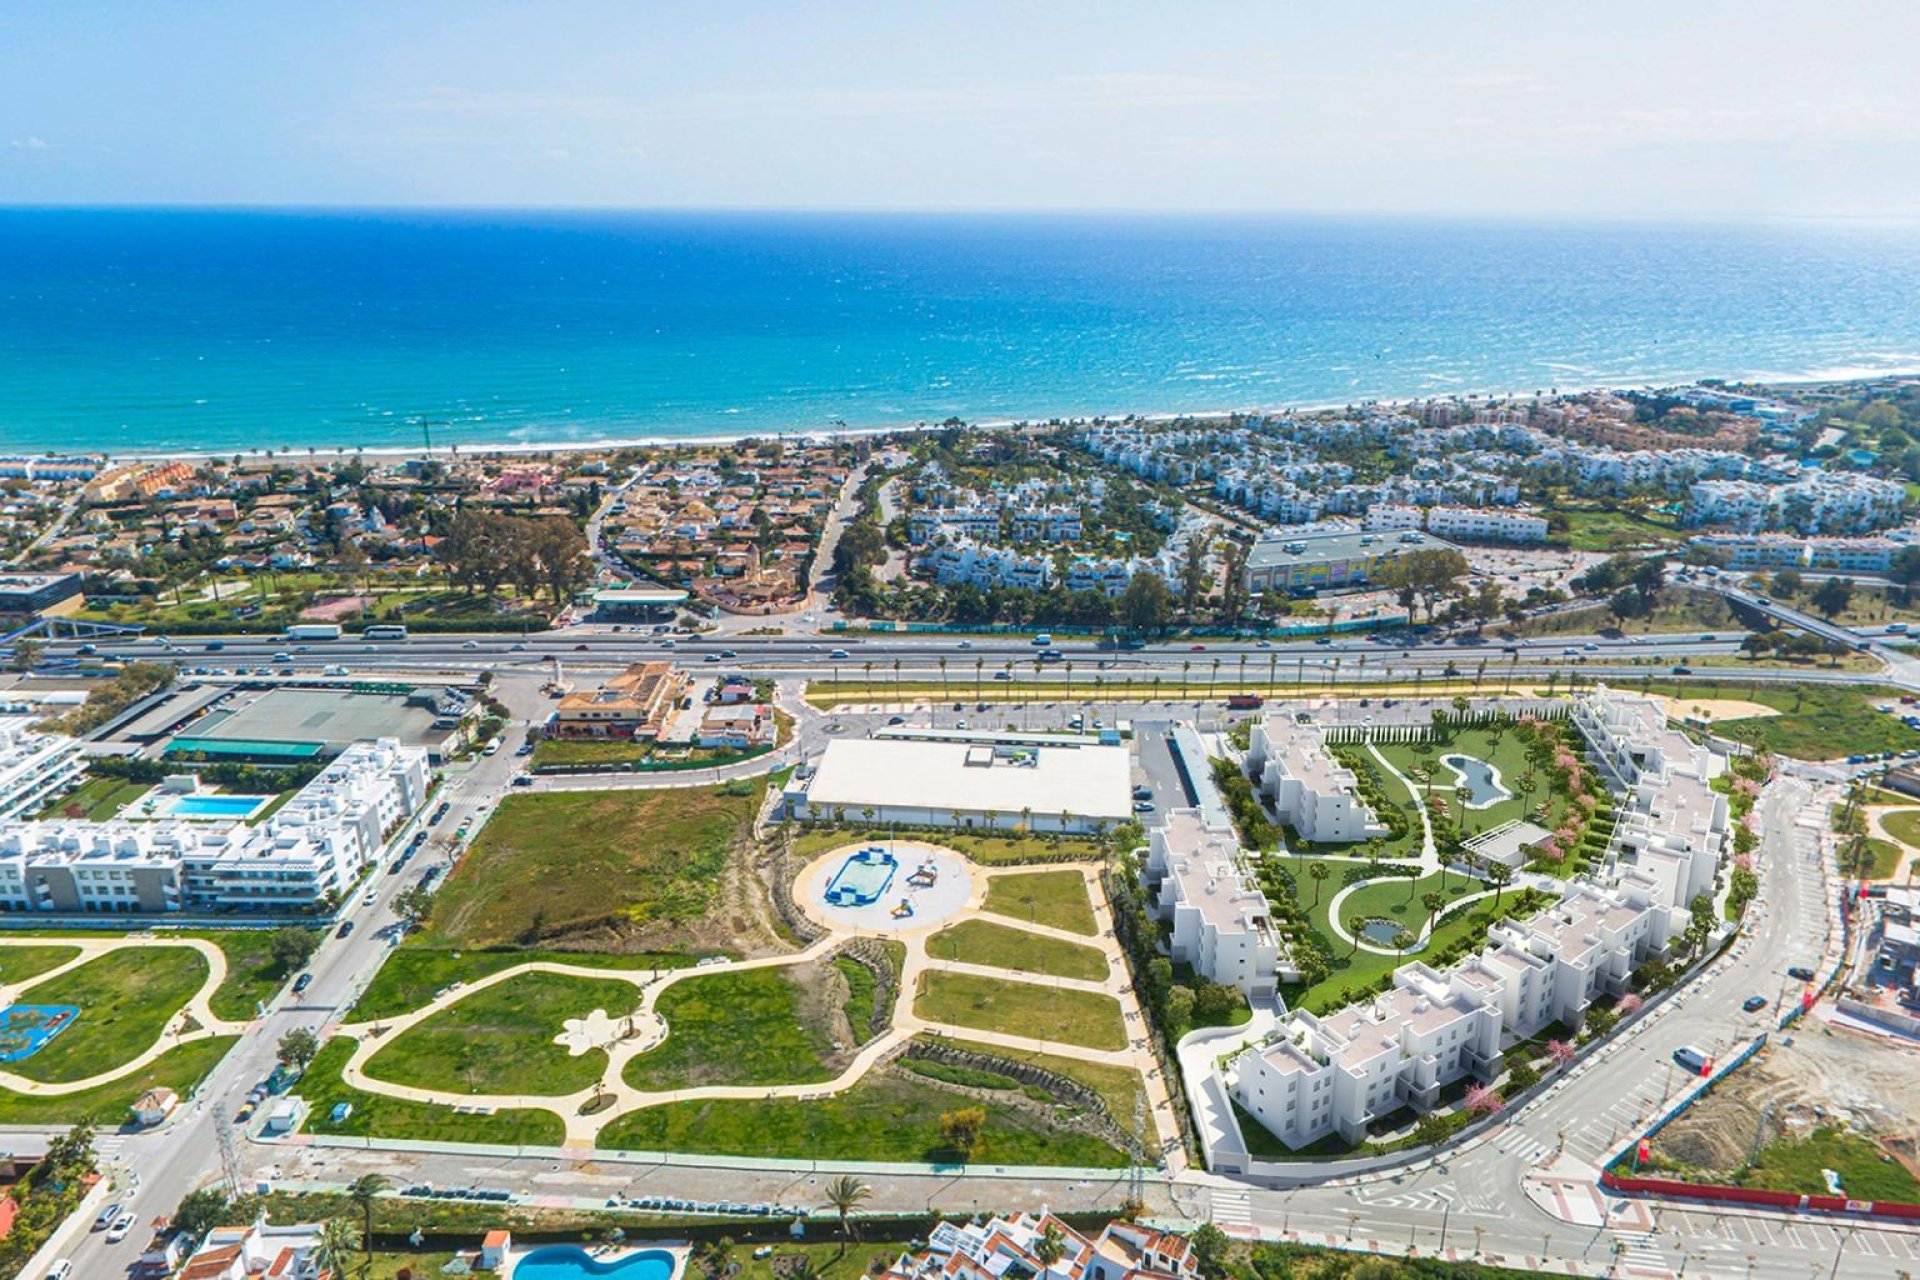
<point>1714,708</point>
<point>1822,1077</point>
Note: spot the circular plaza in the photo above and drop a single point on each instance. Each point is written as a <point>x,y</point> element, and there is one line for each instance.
<point>885,886</point>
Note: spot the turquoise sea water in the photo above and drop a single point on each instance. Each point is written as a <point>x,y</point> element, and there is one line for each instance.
<point>126,329</point>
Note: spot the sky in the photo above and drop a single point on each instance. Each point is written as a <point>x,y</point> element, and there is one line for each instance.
<point>1714,109</point>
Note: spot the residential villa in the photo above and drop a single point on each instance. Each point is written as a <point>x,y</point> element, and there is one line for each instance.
<point>1006,1248</point>
<point>634,704</point>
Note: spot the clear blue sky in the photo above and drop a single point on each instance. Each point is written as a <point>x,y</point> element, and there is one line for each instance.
<point>1685,108</point>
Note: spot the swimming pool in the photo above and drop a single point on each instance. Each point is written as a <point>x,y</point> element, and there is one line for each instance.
<point>214,808</point>
<point>570,1262</point>
<point>862,878</point>
<point>1479,777</point>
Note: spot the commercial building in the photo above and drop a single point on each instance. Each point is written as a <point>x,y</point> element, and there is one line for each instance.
<point>1071,788</point>
<point>1313,793</point>
<point>637,604</point>
<point>635,704</point>
<point>1305,562</point>
<point>29,593</point>
<point>283,723</point>
<point>34,767</point>
<point>305,855</point>
<point>1221,924</point>
<point>741,726</point>
<point>1016,1249</point>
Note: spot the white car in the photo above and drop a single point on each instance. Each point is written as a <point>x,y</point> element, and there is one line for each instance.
<point>121,1229</point>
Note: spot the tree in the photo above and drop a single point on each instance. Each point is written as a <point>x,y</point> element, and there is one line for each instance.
<point>199,1212</point>
<point>1432,900</point>
<point>1833,596</point>
<point>1500,874</point>
<point>71,1154</point>
<point>1210,1249</point>
<point>1355,924</point>
<point>339,1239</point>
<point>363,1191</point>
<point>1428,576</point>
<point>1429,1130</point>
<point>297,1048</point>
<point>1052,1245</point>
<point>844,1195</point>
<point>26,654</point>
<point>291,948</point>
<point>414,904</point>
<point>1147,606</point>
<point>961,1131</point>
<point>1787,583</point>
<point>1319,871</point>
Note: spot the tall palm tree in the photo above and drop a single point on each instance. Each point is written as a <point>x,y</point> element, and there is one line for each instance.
<point>1432,900</point>
<point>844,1195</point>
<point>363,1191</point>
<point>339,1241</point>
<point>943,677</point>
<point>979,665</point>
<point>1354,925</point>
<point>1319,871</point>
<point>1052,1245</point>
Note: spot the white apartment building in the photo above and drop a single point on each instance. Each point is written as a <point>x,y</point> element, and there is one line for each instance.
<point>1316,1076</point>
<point>953,563</point>
<point>1047,524</point>
<point>1221,922</point>
<point>1312,792</point>
<point>34,767</point>
<point>1393,517</point>
<point>1486,524</point>
<point>1783,551</point>
<point>1821,503</point>
<point>315,846</point>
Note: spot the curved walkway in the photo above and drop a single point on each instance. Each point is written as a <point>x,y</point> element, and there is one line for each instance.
<point>1334,918</point>
<point>1429,851</point>
<point>651,1028</point>
<point>197,1010</point>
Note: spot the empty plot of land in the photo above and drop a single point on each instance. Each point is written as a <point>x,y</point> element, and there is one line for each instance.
<point>998,946</point>
<point>756,1026</point>
<point>1030,1009</point>
<point>125,1001</point>
<point>1057,899</point>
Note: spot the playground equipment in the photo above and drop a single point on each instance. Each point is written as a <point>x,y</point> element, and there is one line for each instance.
<point>902,911</point>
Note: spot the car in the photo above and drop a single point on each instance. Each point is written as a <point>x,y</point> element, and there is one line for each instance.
<point>1697,1061</point>
<point>1590,647</point>
<point>1143,793</point>
<point>471,644</point>
<point>961,724</point>
<point>1324,640</point>
<point>966,644</point>
<point>728,653</point>
<point>283,657</point>
<point>106,1216</point>
<point>302,982</point>
<point>1196,648</point>
<point>1800,973</point>
<point>1567,653</point>
<point>1264,644</point>
<point>524,749</point>
<point>838,655</point>
<point>121,1229</point>
<point>1003,675</point>
<point>523,780</point>
<point>1682,669</point>
<point>370,897</point>
<point>215,646</point>
<point>516,648</point>
<point>1753,1004</point>
<point>1143,806</point>
<point>346,927</point>
<point>60,1270</point>
<point>896,719</point>
<point>712,657</point>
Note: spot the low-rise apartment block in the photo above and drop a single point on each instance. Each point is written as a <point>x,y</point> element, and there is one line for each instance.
<point>34,767</point>
<point>1222,925</point>
<point>1015,1249</point>
<point>1313,793</point>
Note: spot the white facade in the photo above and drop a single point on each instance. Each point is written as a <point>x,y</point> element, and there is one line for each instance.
<point>1311,792</point>
<point>1221,922</point>
<point>34,767</point>
<point>315,846</point>
<point>1486,524</point>
<point>1000,787</point>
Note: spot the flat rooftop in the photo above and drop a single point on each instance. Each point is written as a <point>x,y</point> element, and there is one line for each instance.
<point>1086,781</point>
<point>1355,544</point>
<point>334,718</point>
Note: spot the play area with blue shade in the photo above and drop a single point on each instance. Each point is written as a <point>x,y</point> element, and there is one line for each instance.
<point>26,1028</point>
<point>862,878</point>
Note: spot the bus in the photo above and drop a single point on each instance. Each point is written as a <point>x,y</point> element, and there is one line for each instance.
<point>386,631</point>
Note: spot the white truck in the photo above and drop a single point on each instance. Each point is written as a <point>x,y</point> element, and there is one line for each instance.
<point>314,631</point>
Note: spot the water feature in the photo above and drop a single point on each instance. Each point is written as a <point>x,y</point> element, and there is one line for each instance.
<point>1381,932</point>
<point>570,1262</point>
<point>1479,777</point>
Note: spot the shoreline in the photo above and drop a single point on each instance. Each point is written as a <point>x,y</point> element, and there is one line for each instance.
<point>1823,378</point>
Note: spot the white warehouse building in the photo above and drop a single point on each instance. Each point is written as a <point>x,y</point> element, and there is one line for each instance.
<point>980,783</point>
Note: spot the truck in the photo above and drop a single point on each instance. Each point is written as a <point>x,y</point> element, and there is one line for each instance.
<point>314,631</point>
<point>1244,702</point>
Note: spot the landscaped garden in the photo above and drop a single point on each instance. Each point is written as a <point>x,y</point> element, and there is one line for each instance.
<point>1903,825</point>
<point>1057,899</point>
<point>500,1039</point>
<point>982,942</point>
<point>1029,1009</point>
<point>413,974</point>
<point>1005,848</point>
<point>1121,1088</point>
<point>180,1068</point>
<point>18,964</point>
<point>125,999</point>
<point>375,1115</point>
<point>753,1026</point>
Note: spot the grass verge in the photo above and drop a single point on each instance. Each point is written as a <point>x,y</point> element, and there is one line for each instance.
<point>180,1068</point>
<point>1029,1009</point>
<point>375,1115</point>
<point>1000,947</point>
<point>734,1028</point>
<point>1057,899</point>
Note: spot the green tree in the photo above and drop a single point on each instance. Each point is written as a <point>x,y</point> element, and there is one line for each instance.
<point>1354,925</point>
<point>962,1131</point>
<point>844,1195</point>
<point>199,1212</point>
<point>1432,900</point>
<point>297,1048</point>
<point>291,948</point>
<point>1319,872</point>
<point>1210,1250</point>
<point>1147,606</point>
<point>363,1191</point>
<point>1833,596</point>
<point>339,1241</point>
<point>1499,874</point>
<point>1052,1245</point>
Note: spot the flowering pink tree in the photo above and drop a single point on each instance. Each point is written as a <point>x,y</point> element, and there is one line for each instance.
<point>1561,1052</point>
<point>1629,1005</point>
<point>1744,861</point>
<point>1483,1100</point>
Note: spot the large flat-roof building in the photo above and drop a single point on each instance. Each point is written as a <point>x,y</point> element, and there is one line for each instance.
<point>23,593</point>
<point>1221,923</point>
<point>34,767</point>
<point>966,784</point>
<point>306,854</point>
<point>282,724</point>
<point>1312,792</point>
<point>1304,562</point>
<point>637,703</point>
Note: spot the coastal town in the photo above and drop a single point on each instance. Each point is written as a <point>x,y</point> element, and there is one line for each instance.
<point>1473,834</point>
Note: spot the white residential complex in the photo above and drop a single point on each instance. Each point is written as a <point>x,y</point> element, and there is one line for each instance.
<point>1784,551</point>
<point>303,856</point>
<point>1313,793</point>
<point>1221,923</point>
<point>1461,524</point>
<point>1823,502</point>
<point>34,767</point>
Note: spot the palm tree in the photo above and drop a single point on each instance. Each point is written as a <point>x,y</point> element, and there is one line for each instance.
<point>1186,665</point>
<point>339,1241</point>
<point>1500,873</point>
<point>1401,941</point>
<point>363,1191</point>
<point>979,665</point>
<point>943,678</point>
<point>1319,871</point>
<point>1354,925</point>
<point>1052,1245</point>
<point>1432,900</point>
<point>844,1195</point>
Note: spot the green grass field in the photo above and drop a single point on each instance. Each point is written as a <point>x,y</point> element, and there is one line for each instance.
<point>17,964</point>
<point>1887,857</point>
<point>1119,1087</point>
<point>734,1028</point>
<point>1506,752</point>
<point>548,864</point>
<point>378,1116</point>
<point>125,1000</point>
<point>413,973</point>
<point>501,1039</point>
<point>252,974</point>
<point>1616,531</point>
<point>1354,970</point>
<point>1029,1009</point>
<point>1795,1165</point>
<point>554,751</point>
<point>96,799</point>
<point>1006,849</point>
<point>998,946</point>
<point>883,1117</point>
<point>1054,898</point>
<point>1816,721</point>
<point>1903,825</point>
<point>180,1068</point>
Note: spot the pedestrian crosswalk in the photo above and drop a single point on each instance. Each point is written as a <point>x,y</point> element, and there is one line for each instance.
<point>1232,1207</point>
<point>1530,1150</point>
<point>1639,1249</point>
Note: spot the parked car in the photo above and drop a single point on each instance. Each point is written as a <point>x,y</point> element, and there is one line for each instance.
<point>1143,806</point>
<point>121,1229</point>
<point>1800,972</point>
<point>1753,1004</point>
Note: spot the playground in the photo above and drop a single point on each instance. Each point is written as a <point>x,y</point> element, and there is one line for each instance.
<point>26,1028</point>
<point>885,888</point>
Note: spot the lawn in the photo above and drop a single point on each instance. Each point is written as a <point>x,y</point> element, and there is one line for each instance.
<point>412,974</point>
<point>180,1068</point>
<point>563,862</point>
<point>17,964</point>
<point>252,974</point>
<point>1795,1165</point>
<point>1119,1087</point>
<point>501,1039</point>
<point>1008,849</point>
<point>1029,1009</point>
<point>747,1027</point>
<point>1816,721</point>
<point>1390,900</point>
<point>554,751</point>
<point>1506,752</point>
<point>125,999</point>
<point>1887,857</point>
<point>998,946</point>
<point>1054,898</point>
<point>1903,825</point>
<point>378,1116</point>
<point>1354,971</point>
<point>884,1117</point>
<point>96,799</point>
<point>1616,531</point>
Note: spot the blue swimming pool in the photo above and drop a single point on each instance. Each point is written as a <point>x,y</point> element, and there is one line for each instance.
<point>862,878</point>
<point>233,808</point>
<point>570,1262</point>
<point>1478,777</point>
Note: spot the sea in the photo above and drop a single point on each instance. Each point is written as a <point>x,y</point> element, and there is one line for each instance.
<point>221,331</point>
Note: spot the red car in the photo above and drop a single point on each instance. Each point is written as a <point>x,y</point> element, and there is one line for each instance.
<point>1198,648</point>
